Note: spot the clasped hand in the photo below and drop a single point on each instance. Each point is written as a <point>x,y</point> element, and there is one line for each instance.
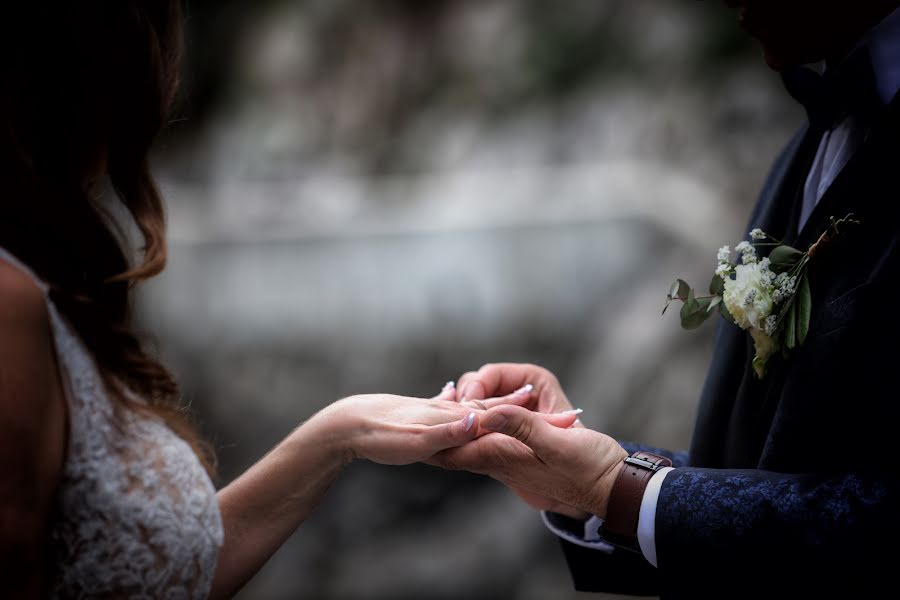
<point>511,422</point>
<point>551,465</point>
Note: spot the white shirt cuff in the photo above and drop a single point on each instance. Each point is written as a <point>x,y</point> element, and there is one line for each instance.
<point>589,538</point>
<point>646,531</point>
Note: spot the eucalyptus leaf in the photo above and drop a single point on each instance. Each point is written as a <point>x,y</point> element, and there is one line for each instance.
<point>697,313</point>
<point>679,289</point>
<point>790,327</point>
<point>784,258</point>
<point>688,308</point>
<point>803,310</point>
<point>714,303</point>
<point>717,286</point>
<point>759,366</point>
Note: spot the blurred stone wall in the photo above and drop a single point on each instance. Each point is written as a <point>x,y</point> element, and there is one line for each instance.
<point>379,196</point>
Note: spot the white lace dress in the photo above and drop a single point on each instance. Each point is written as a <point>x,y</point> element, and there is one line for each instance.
<point>137,513</point>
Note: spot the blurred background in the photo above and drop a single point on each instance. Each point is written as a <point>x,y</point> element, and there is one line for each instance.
<point>380,195</point>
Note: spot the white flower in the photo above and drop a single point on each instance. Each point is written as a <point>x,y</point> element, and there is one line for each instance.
<point>724,254</point>
<point>788,286</point>
<point>758,234</point>
<point>768,277</point>
<point>748,285</point>
<point>748,252</point>
<point>771,325</point>
<point>750,299</point>
<point>723,270</point>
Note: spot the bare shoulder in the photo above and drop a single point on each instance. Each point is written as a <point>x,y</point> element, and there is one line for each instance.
<point>27,355</point>
<point>22,303</point>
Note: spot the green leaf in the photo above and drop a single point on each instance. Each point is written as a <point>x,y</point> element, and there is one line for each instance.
<point>717,286</point>
<point>694,311</point>
<point>790,328</point>
<point>784,258</point>
<point>803,310</point>
<point>759,366</point>
<point>714,303</point>
<point>679,289</point>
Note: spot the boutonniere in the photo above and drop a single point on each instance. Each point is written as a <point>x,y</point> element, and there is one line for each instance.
<point>767,297</point>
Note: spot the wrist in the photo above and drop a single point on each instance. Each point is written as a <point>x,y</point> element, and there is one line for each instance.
<point>334,431</point>
<point>626,498</point>
<point>606,482</point>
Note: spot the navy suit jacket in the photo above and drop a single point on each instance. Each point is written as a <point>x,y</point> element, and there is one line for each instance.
<point>793,481</point>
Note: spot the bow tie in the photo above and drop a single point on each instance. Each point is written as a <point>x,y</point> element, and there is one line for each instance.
<point>848,89</point>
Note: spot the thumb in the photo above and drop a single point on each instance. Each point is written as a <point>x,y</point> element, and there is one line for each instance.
<point>451,435</point>
<point>530,428</point>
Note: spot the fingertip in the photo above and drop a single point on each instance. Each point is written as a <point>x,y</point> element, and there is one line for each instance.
<point>561,420</point>
<point>448,392</point>
<point>469,422</point>
<point>474,390</point>
<point>518,398</point>
<point>465,429</point>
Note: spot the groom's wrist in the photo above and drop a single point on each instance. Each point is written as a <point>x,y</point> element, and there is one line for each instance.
<point>623,510</point>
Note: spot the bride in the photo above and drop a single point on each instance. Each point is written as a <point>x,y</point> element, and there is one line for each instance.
<point>104,485</point>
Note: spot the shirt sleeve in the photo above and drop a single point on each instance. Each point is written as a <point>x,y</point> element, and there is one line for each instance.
<point>646,531</point>
<point>587,533</point>
<point>580,533</point>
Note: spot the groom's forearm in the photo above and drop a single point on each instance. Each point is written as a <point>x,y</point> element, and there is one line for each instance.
<point>266,504</point>
<point>729,519</point>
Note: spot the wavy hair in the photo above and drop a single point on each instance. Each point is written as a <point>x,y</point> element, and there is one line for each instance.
<point>88,86</point>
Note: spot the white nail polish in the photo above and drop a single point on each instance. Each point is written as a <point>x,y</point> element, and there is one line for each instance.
<point>449,386</point>
<point>469,420</point>
<point>574,411</point>
<point>525,389</point>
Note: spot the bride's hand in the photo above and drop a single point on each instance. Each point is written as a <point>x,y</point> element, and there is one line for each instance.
<point>398,430</point>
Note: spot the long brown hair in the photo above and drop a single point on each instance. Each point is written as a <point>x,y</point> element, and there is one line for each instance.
<point>90,84</point>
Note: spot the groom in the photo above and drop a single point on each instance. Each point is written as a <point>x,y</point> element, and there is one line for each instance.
<point>792,482</point>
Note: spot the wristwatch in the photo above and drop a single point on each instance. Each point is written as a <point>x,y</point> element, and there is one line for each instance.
<point>624,508</point>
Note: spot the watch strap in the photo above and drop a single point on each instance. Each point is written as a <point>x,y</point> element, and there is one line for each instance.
<point>624,508</point>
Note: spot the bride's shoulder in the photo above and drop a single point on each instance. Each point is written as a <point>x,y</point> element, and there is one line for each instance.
<point>22,302</point>
<point>30,388</point>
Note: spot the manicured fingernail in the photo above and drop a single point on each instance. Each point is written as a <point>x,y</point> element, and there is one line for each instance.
<point>525,389</point>
<point>448,386</point>
<point>574,411</point>
<point>469,421</point>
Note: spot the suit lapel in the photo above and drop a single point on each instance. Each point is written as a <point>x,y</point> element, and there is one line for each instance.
<point>873,160</point>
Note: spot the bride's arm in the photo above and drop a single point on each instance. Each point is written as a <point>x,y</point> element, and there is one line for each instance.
<point>32,435</point>
<point>266,504</point>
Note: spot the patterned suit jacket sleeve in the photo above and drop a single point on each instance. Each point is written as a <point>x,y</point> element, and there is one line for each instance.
<point>781,524</point>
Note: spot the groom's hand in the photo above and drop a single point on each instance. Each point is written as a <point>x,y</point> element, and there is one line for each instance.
<point>503,379</point>
<point>573,467</point>
<point>547,396</point>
